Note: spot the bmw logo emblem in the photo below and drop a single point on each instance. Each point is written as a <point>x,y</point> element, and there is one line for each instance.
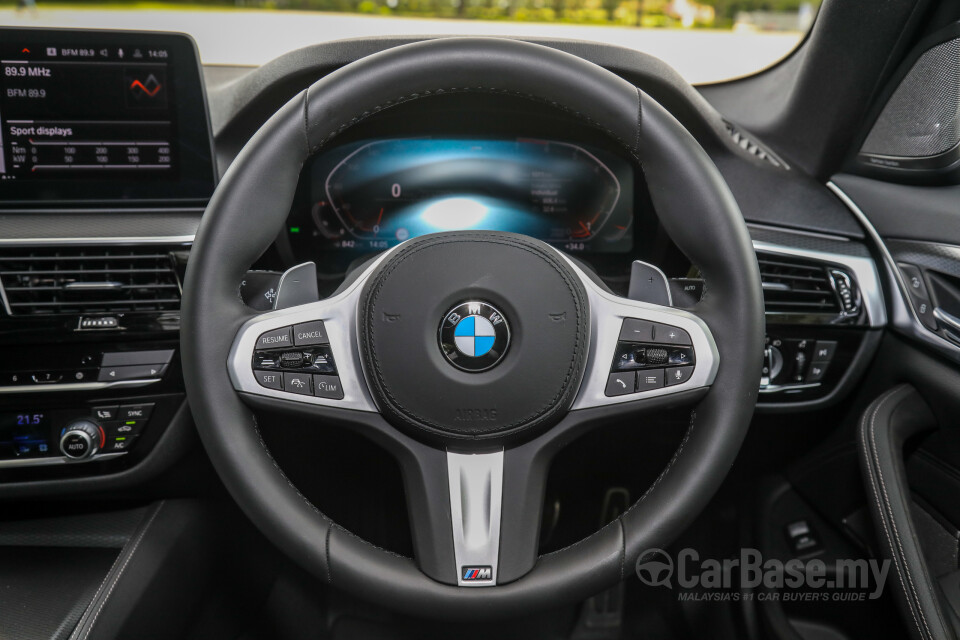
<point>474,336</point>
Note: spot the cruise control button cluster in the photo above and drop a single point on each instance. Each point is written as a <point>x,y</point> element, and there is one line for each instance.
<point>298,359</point>
<point>650,355</point>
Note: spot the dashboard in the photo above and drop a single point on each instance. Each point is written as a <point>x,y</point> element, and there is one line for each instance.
<point>110,147</point>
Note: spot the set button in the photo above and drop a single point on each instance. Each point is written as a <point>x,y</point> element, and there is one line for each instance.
<point>270,379</point>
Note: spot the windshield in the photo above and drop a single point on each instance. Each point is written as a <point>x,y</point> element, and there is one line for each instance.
<point>706,41</point>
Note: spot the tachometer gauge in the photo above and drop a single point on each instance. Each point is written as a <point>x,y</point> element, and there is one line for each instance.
<point>390,190</point>
<point>326,220</point>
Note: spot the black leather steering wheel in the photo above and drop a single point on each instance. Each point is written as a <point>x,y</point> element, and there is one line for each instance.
<point>473,439</point>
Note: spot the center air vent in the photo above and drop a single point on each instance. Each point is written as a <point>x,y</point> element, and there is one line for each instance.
<point>796,286</point>
<point>88,280</point>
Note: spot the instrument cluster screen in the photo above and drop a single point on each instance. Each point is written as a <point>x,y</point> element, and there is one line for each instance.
<point>373,194</point>
<point>100,109</point>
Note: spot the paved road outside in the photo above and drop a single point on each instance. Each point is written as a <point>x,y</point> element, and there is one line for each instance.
<point>251,37</point>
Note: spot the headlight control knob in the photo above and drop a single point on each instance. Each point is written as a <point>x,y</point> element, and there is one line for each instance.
<point>80,439</point>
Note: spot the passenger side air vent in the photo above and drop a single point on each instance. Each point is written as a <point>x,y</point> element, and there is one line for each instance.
<point>88,280</point>
<point>796,286</point>
<point>753,147</point>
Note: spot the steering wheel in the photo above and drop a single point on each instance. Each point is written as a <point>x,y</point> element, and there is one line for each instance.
<point>472,356</point>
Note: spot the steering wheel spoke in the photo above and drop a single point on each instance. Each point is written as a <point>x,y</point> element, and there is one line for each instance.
<point>306,353</point>
<point>640,351</point>
<point>475,516</point>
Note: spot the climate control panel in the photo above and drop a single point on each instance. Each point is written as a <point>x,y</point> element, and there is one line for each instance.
<point>38,437</point>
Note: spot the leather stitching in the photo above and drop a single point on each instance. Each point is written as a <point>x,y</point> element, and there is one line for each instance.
<point>893,522</point>
<point>636,142</point>
<point>326,554</point>
<point>549,407</point>
<point>306,120</point>
<point>632,150</point>
<point>123,567</point>
<point>623,549</point>
<point>886,512</point>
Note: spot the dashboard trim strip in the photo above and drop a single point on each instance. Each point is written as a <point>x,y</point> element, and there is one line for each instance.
<point>76,386</point>
<point>46,242</point>
<point>57,460</point>
<point>904,316</point>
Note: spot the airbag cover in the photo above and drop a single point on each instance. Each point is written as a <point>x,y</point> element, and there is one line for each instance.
<point>414,290</point>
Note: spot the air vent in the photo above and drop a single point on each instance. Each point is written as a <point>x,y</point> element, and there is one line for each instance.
<point>88,280</point>
<point>796,286</point>
<point>753,147</point>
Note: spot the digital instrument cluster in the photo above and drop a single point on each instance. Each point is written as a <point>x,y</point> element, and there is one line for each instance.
<point>370,195</point>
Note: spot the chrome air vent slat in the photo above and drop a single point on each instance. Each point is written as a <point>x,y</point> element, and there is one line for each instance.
<point>797,286</point>
<point>54,280</point>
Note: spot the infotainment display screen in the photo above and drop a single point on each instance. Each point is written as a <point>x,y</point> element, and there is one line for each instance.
<point>101,116</point>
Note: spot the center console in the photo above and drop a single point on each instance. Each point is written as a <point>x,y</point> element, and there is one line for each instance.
<point>106,162</point>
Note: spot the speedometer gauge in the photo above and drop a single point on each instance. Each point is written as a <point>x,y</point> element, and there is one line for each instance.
<point>386,191</point>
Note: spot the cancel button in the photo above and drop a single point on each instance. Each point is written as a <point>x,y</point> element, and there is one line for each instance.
<point>309,333</point>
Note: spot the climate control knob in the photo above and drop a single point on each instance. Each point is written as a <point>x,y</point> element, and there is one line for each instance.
<point>81,439</point>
